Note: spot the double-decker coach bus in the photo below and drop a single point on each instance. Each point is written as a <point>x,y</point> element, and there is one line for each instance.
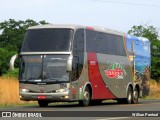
<point>85,64</point>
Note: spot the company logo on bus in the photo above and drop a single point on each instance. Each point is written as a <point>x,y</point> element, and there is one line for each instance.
<point>115,70</point>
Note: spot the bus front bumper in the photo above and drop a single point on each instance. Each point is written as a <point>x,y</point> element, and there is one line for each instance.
<point>27,96</point>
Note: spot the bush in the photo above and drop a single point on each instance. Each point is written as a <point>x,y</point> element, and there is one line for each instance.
<point>12,73</point>
<point>5,56</point>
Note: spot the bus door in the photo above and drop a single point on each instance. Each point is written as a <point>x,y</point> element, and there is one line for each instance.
<point>78,60</point>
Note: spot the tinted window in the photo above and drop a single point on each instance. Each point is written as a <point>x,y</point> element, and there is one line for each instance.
<point>101,42</point>
<point>47,40</point>
<point>120,46</point>
<point>104,43</point>
<point>91,41</point>
<point>78,54</point>
<point>115,45</point>
<point>111,44</point>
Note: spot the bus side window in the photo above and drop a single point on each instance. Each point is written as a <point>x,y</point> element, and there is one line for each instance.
<point>120,46</point>
<point>78,54</point>
<point>91,42</point>
<point>101,43</point>
<point>111,44</point>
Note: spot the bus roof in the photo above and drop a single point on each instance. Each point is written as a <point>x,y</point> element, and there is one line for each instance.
<point>72,26</point>
<point>143,39</point>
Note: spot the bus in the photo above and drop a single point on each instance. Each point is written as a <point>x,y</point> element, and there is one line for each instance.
<point>68,63</point>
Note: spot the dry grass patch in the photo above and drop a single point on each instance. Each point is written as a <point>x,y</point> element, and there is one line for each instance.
<point>9,92</point>
<point>154,89</point>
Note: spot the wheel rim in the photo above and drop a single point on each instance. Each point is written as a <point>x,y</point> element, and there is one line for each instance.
<point>135,94</point>
<point>129,97</point>
<point>86,96</point>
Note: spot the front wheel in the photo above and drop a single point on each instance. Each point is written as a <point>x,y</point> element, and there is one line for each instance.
<point>43,103</point>
<point>86,98</point>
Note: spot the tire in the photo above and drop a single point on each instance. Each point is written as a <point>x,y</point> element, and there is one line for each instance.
<point>86,98</point>
<point>43,103</point>
<point>129,98</point>
<point>135,96</point>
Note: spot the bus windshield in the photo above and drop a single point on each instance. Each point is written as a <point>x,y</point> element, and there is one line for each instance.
<point>44,68</point>
<point>47,40</point>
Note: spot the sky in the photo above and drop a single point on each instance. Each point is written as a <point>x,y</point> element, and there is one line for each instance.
<point>120,15</point>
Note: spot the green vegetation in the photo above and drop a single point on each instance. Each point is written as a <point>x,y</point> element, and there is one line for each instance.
<point>12,73</point>
<point>12,33</point>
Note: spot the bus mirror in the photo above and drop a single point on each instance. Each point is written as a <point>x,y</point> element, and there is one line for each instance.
<point>12,61</point>
<point>69,63</point>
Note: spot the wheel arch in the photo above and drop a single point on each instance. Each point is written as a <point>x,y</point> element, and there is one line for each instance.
<point>138,89</point>
<point>129,85</point>
<point>88,84</point>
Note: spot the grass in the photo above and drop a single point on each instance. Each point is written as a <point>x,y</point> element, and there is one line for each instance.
<point>9,92</point>
<point>154,90</point>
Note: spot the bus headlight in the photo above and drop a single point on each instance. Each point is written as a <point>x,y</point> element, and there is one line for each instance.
<point>62,90</point>
<point>24,90</point>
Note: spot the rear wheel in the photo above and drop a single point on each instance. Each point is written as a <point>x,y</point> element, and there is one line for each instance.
<point>129,96</point>
<point>43,103</point>
<point>86,98</point>
<point>135,96</point>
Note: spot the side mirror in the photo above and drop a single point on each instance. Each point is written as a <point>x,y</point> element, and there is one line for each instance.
<point>69,63</point>
<point>12,61</point>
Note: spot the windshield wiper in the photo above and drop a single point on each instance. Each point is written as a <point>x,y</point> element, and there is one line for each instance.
<point>32,79</point>
<point>55,79</point>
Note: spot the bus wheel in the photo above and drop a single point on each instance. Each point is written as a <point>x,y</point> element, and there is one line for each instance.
<point>135,96</point>
<point>43,103</point>
<point>129,96</point>
<point>86,98</point>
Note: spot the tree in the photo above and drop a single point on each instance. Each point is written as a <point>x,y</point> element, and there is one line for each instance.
<point>11,39</point>
<point>151,33</point>
<point>13,32</point>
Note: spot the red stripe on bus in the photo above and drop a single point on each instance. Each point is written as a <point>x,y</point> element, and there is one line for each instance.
<point>74,90</point>
<point>89,28</point>
<point>99,89</point>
